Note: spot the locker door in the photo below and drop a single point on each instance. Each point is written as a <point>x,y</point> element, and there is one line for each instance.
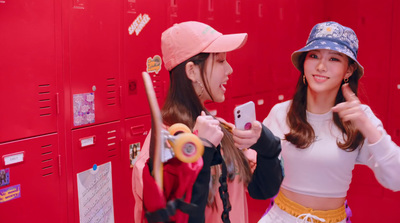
<point>29,68</point>
<point>394,96</point>
<point>94,60</point>
<point>182,10</point>
<point>210,12</point>
<point>99,145</point>
<point>234,17</point>
<point>283,95</point>
<point>142,28</point>
<point>264,102</point>
<point>34,170</point>
<point>393,198</point>
<point>347,16</point>
<point>283,31</point>
<point>137,130</point>
<point>261,46</point>
<point>376,16</point>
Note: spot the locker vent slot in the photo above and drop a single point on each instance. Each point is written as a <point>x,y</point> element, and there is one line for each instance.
<point>112,143</point>
<point>47,160</point>
<point>111,87</point>
<point>44,100</point>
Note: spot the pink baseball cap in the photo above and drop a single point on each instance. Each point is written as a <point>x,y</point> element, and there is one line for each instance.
<point>187,39</point>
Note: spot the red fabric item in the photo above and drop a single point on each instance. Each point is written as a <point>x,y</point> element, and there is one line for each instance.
<point>178,181</point>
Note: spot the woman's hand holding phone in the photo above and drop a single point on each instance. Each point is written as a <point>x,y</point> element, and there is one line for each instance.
<point>248,129</point>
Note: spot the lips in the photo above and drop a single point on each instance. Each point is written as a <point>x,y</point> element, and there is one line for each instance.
<point>223,87</point>
<point>320,78</point>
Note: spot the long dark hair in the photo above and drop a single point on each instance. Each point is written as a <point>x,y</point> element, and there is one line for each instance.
<point>182,105</point>
<point>302,134</point>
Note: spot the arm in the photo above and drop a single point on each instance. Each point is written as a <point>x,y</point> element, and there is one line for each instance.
<point>208,130</point>
<point>383,156</point>
<point>201,187</point>
<point>268,175</point>
<point>379,152</point>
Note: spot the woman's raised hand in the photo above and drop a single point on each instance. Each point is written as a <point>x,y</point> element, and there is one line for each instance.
<point>351,110</point>
<point>207,127</point>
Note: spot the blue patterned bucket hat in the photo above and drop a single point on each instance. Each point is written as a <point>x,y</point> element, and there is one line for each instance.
<point>331,36</point>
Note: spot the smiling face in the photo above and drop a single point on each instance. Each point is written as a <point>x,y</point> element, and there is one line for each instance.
<point>325,70</point>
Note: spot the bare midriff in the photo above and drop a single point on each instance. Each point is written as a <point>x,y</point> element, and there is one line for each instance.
<point>316,203</point>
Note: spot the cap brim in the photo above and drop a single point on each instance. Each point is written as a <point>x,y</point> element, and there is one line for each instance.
<point>226,43</point>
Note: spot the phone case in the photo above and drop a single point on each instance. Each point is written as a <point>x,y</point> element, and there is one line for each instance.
<point>245,114</point>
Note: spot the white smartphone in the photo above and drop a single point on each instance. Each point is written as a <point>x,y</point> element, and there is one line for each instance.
<point>245,114</point>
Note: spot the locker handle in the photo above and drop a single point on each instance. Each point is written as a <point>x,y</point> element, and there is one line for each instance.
<point>120,95</point>
<point>137,130</point>
<point>58,103</point>
<point>13,158</point>
<point>59,165</point>
<point>87,141</point>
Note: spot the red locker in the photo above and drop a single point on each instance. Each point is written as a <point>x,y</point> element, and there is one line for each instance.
<point>260,45</point>
<point>283,31</point>
<point>29,61</point>
<point>394,86</point>
<point>36,178</point>
<point>208,10</point>
<point>98,145</point>
<point>137,130</point>
<point>72,91</point>
<point>374,27</point>
<point>181,10</point>
<point>141,33</point>
<point>234,17</point>
<point>264,102</point>
<point>93,49</point>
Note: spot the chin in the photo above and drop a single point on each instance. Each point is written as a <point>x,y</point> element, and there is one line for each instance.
<point>220,100</point>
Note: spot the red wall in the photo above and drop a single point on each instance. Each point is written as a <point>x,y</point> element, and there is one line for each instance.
<point>54,50</point>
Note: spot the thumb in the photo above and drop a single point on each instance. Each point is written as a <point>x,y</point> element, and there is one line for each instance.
<point>256,125</point>
<point>348,94</point>
<point>202,113</point>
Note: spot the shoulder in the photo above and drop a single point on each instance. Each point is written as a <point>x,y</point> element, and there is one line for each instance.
<point>282,106</point>
<point>276,119</point>
<point>280,110</point>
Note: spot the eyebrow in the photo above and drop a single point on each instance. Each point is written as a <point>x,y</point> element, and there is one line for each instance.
<point>336,53</point>
<point>330,52</point>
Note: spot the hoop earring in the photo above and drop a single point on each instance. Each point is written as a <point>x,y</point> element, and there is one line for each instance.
<point>346,80</point>
<point>202,88</point>
<point>304,79</point>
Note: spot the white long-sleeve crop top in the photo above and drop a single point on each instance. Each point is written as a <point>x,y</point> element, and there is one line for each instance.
<point>325,170</point>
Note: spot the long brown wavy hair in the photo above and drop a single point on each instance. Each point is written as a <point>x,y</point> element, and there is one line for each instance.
<point>302,134</point>
<point>182,105</point>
